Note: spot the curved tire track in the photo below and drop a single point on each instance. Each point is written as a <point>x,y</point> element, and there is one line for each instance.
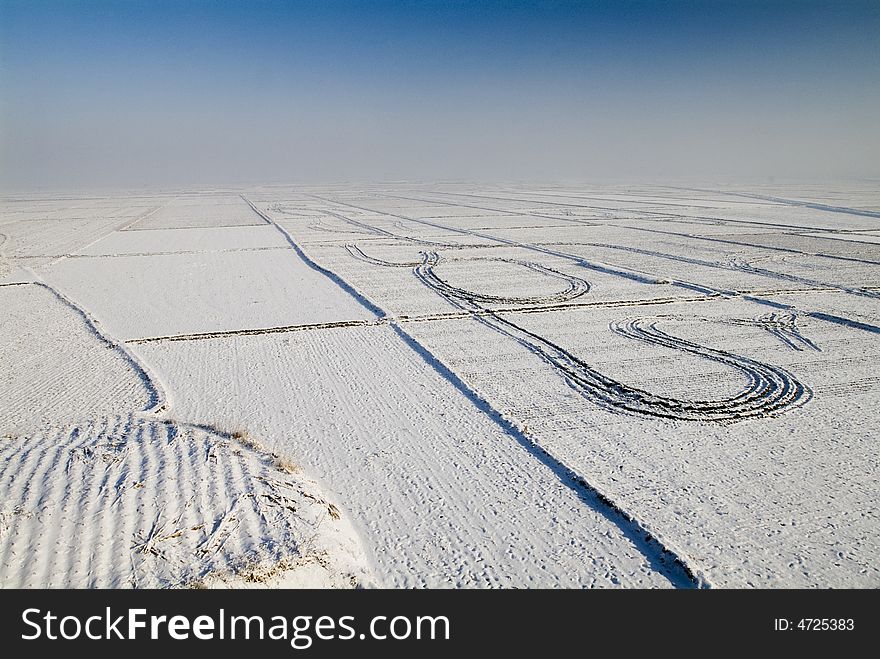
<point>574,289</point>
<point>357,253</point>
<point>770,389</point>
<point>783,326</point>
<point>657,551</point>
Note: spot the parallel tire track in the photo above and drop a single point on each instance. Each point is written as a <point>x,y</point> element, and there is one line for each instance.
<point>574,289</point>
<point>357,253</point>
<point>770,389</point>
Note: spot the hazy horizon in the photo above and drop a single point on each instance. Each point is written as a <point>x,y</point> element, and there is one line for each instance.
<point>107,94</point>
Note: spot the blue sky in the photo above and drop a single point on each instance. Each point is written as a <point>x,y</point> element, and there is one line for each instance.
<point>99,93</point>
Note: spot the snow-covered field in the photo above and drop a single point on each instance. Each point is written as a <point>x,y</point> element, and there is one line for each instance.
<point>441,385</point>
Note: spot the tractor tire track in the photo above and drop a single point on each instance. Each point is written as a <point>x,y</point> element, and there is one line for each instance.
<point>741,243</point>
<point>369,228</point>
<point>575,285</point>
<point>660,554</point>
<point>358,253</point>
<point>770,389</point>
<point>782,325</point>
<point>797,203</point>
<point>633,275</point>
<point>738,265</point>
<point>660,215</point>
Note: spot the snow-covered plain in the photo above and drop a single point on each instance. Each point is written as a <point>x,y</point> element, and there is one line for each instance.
<point>442,385</point>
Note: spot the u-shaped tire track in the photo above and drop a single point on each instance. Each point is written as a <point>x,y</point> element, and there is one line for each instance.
<point>625,273</point>
<point>574,289</point>
<point>769,390</point>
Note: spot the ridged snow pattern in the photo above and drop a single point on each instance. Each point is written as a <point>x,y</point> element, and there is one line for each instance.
<point>126,502</point>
